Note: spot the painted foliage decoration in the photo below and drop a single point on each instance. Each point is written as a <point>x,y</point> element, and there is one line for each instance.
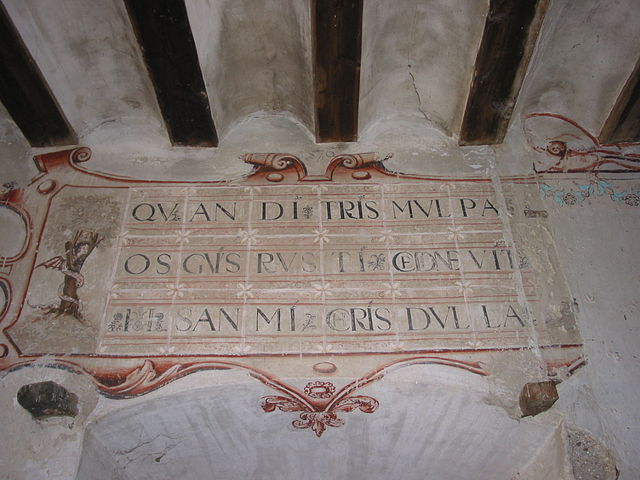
<point>577,194</point>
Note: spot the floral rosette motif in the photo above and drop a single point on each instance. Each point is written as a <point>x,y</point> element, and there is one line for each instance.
<point>319,389</point>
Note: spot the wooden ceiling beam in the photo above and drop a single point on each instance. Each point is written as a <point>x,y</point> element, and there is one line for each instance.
<point>508,40</point>
<point>623,123</point>
<point>163,31</point>
<point>25,93</point>
<point>337,40</point>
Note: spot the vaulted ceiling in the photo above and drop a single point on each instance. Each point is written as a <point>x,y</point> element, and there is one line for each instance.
<point>184,73</point>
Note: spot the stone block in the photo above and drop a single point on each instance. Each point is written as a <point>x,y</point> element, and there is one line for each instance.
<point>48,399</point>
<point>537,397</point>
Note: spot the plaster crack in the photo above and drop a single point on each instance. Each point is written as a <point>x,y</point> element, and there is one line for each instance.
<point>157,455</point>
<point>142,444</point>
<point>167,449</point>
<point>440,125</point>
<point>415,89</point>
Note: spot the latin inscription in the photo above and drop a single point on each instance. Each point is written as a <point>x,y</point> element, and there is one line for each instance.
<point>293,318</point>
<point>268,211</point>
<point>280,268</point>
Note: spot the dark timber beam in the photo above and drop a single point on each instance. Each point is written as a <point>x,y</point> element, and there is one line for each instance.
<point>623,124</point>
<point>26,95</point>
<point>337,39</point>
<point>164,33</point>
<point>508,40</point>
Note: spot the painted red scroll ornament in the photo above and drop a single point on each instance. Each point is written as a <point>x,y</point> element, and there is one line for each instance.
<point>274,165</point>
<point>64,256</point>
<point>317,406</point>
<point>567,147</point>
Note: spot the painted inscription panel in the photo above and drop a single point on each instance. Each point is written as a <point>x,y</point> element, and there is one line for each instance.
<point>290,269</point>
<point>366,263</point>
<point>282,274</point>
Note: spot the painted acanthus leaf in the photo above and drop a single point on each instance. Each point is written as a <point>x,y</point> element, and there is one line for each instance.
<point>284,404</point>
<point>363,403</point>
<point>142,379</point>
<point>318,421</point>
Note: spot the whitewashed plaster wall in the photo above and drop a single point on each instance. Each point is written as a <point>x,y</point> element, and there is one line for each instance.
<point>88,53</point>
<point>222,430</point>
<point>16,165</point>
<point>600,256</point>
<point>417,61</point>
<point>434,423</point>
<point>255,56</point>
<point>585,53</point>
<point>586,50</point>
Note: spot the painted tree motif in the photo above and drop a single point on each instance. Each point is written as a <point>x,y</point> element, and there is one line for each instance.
<point>76,252</point>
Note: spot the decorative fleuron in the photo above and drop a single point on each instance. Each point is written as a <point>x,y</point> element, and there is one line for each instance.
<point>318,407</point>
<point>318,414</point>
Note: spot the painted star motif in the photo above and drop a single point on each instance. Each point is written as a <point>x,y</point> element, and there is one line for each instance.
<point>396,346</point>
<point>242,348</point>
<point>386,236</point>
<point>321,236</point>
<point>456,233</point>
<point>124,238</point>
<point>248,237</point>
<point>392,289</point>
<point>464,287</point>
<point>322,289</point>
<point>324,348</point>
<point>244,291</point>
<point>115,291</point>
<point>175,290</point>
<point>182,237</point>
